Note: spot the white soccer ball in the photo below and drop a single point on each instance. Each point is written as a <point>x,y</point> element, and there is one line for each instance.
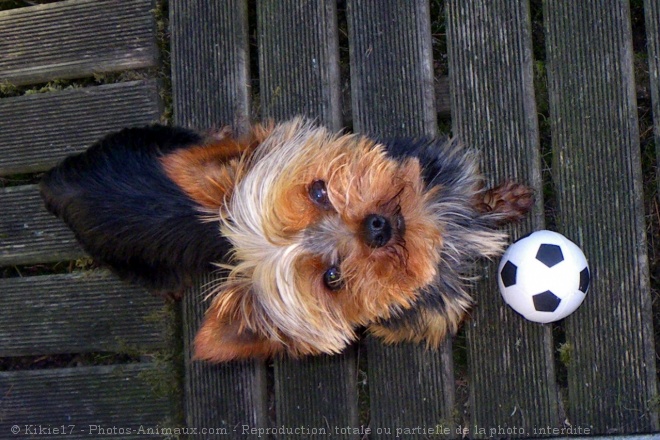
<point>543,276</point>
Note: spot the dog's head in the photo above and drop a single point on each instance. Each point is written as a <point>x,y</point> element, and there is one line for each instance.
<point>329,232</point>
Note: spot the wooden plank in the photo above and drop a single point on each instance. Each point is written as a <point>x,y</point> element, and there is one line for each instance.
<point>299,73</point>
<point>442,96</point>
<point>511,364</point>
<point>76,313</point>
<point>299,60</point>
<point>226,396</point>
<point>37,131</point>
<point>652,16</point>
<point>76,38</point>
<point>597,170</point>
<point>410,387</point>
<point>210,79</point>
<point>82,402</point>
<point>30,234</point>
<point>391,68</point>
<point>393,95</point>
<point>319,391</point>
<point>210,70</point>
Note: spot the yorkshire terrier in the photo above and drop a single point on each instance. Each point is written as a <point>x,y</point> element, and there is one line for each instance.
<point>320,233</point>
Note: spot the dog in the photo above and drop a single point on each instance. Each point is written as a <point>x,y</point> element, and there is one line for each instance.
<point>320,234</point>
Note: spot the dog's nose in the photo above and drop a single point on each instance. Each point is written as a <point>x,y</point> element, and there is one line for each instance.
<point>376,230</point>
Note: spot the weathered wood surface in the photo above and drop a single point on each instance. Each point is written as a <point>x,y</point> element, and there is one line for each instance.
<point>511,363</point>
<point>76,38</point>
<point>225,395</point>
<point>74,313</point>
<point>78,313</point>
<point>299,75</point>
<point>299,68</point>
<point>30,234</point>
<point>37,131</point>
<point>652,16</point>
<point>210,64</point>
<point>392,94</point>
<point>210,80</point>
<point>597,170</point>
<point>442,96</point>
<point>82,400</point>
<point>391,68</point>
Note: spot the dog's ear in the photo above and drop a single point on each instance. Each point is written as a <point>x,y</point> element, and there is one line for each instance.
<point>208,172</point>
<point>226,335</point>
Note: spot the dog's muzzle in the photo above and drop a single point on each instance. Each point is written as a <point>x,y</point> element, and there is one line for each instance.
<point>378,230</point>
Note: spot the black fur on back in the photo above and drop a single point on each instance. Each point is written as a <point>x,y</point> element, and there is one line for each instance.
<point>128,214</point>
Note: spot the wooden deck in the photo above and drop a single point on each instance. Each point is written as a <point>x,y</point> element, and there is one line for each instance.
<point>572,134</point>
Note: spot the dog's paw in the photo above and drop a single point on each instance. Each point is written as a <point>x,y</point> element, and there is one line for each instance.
<point>509,201</point>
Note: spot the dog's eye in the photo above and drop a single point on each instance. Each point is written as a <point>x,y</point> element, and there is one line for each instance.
<point>319,194</point>
<point>332,278</point>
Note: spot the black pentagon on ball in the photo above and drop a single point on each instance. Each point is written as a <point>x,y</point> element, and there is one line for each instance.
<point>585,278</point>
<point>508,274</point>
<point>549,254</point>
<point>546,301</point>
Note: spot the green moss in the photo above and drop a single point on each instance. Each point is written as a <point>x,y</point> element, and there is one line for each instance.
<point>565,351</point>
<point>166,380</point>
<point>161,15</point>
<point>8,89</point>
<point>654,403</point>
